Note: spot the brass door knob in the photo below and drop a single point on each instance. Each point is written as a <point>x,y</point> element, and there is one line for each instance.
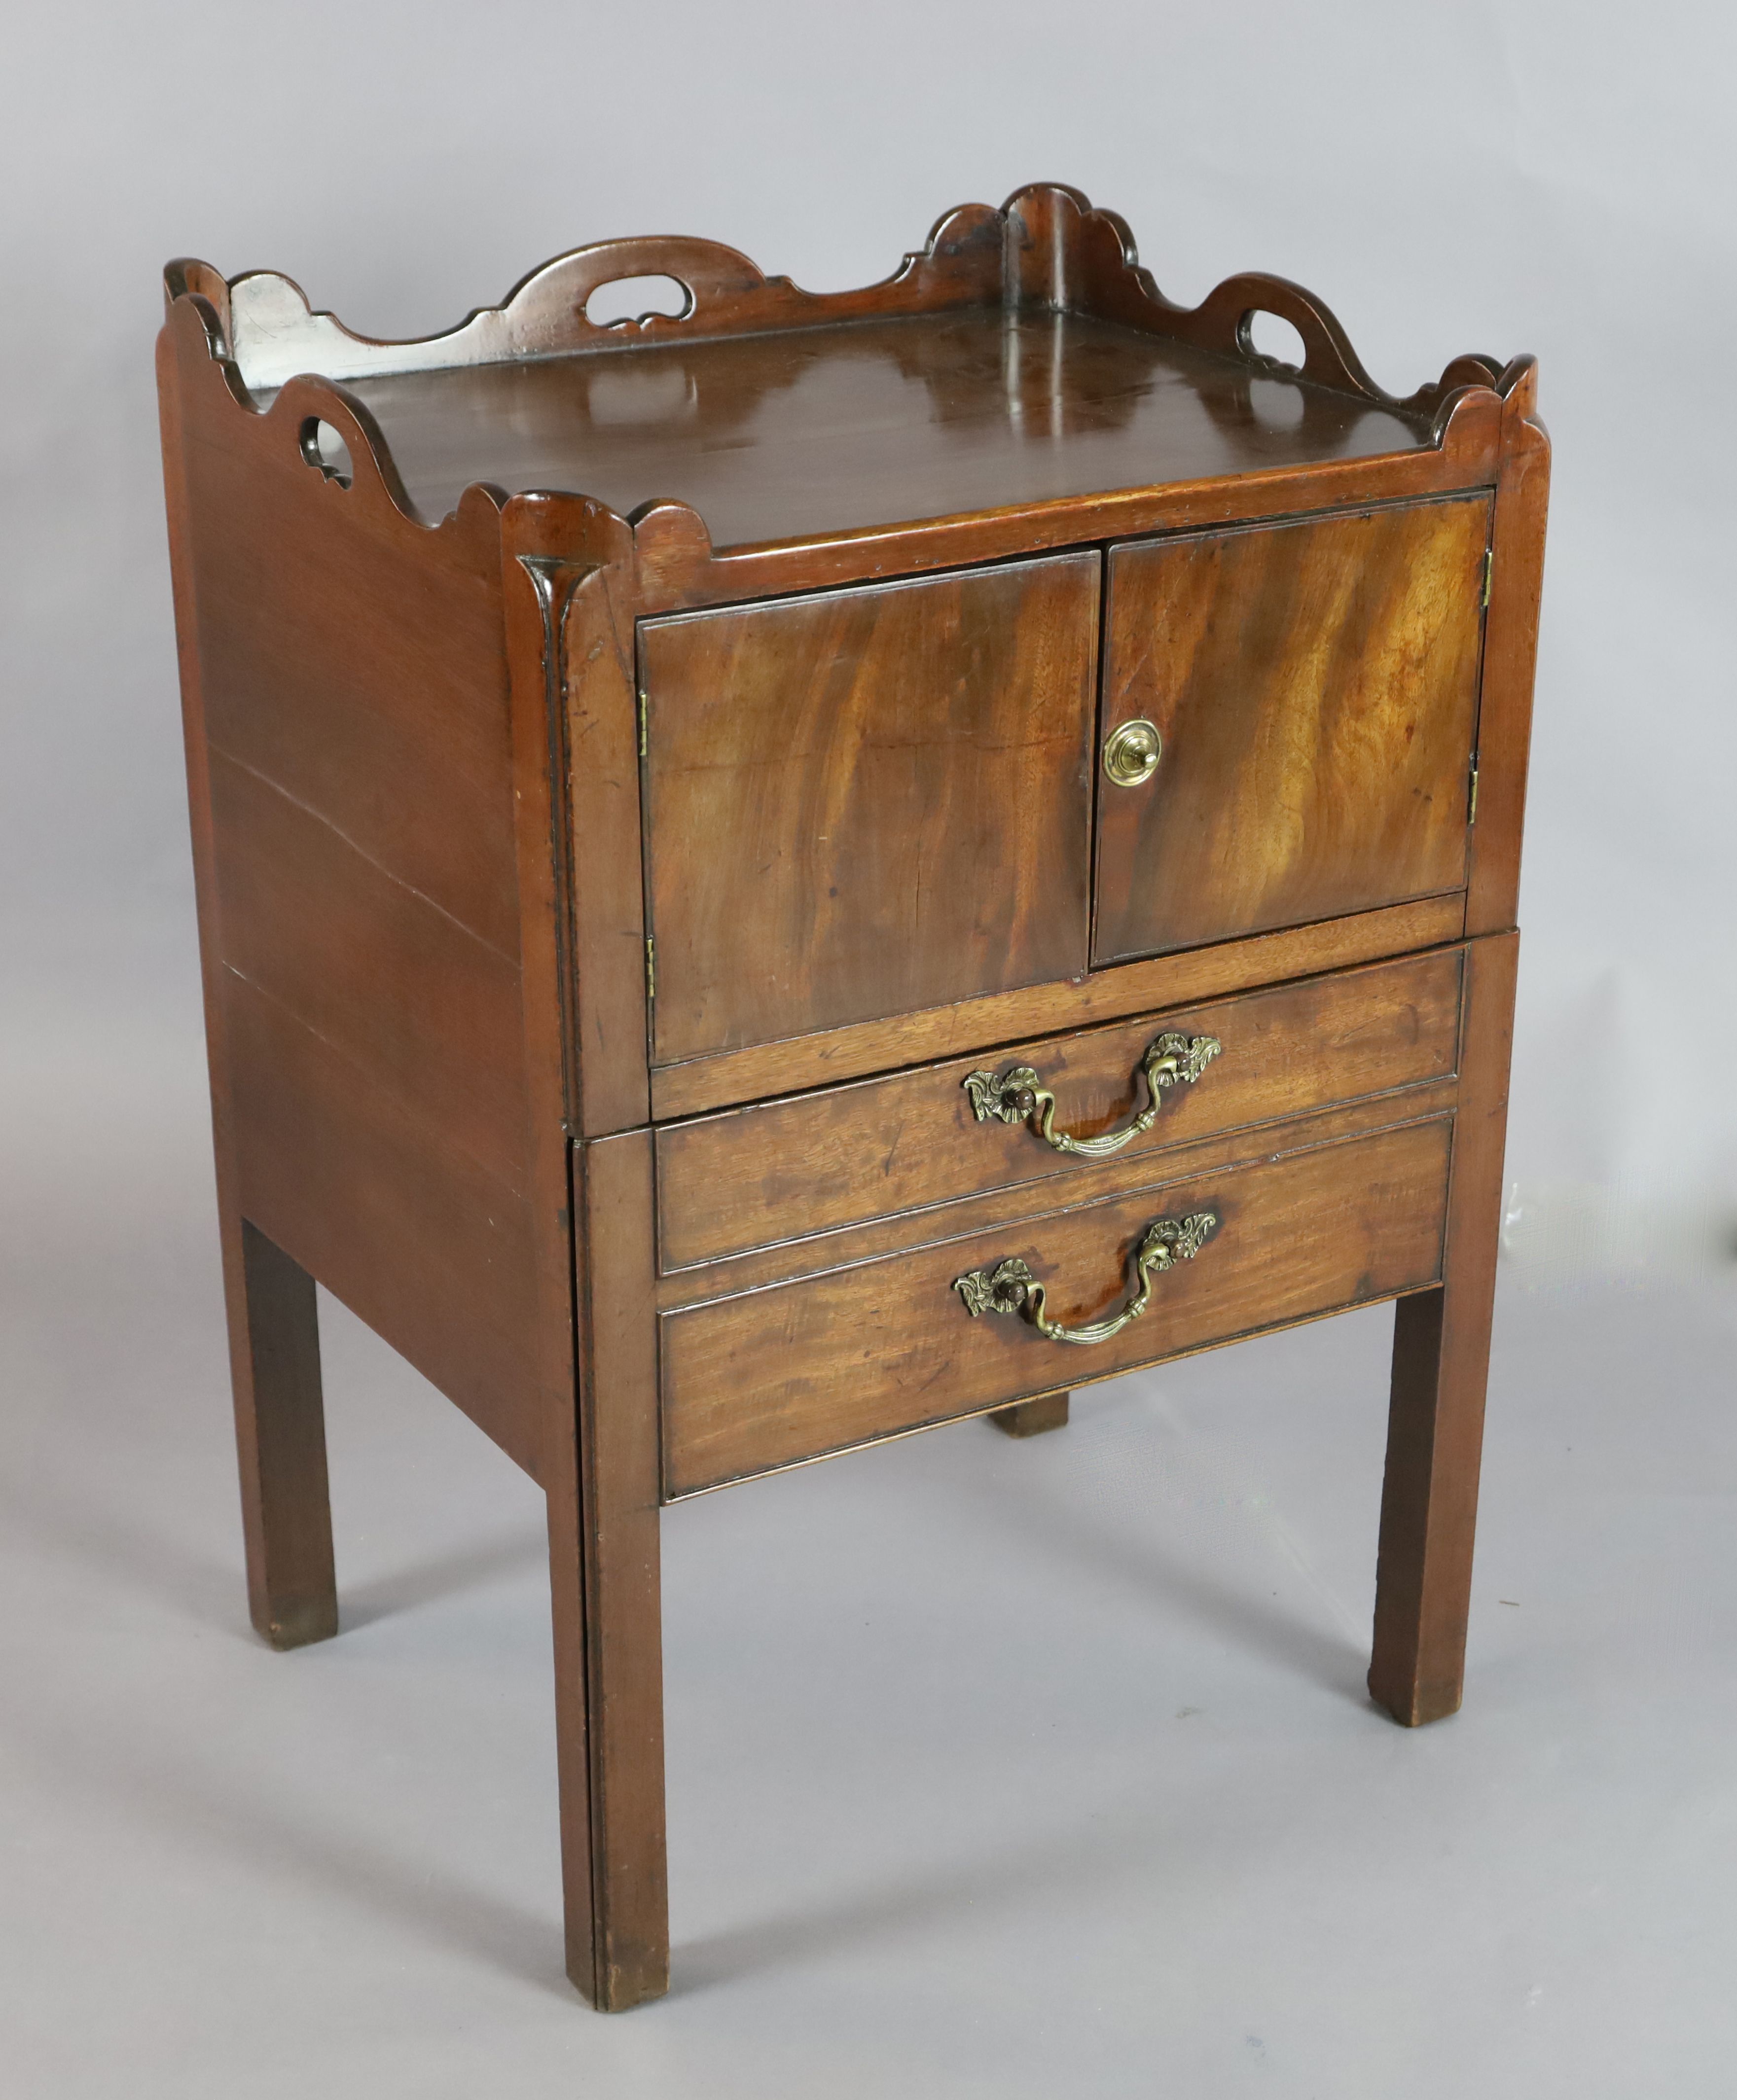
<point>1131,752</point>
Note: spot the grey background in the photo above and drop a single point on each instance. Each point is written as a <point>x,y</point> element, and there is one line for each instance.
<point>992,1768</point>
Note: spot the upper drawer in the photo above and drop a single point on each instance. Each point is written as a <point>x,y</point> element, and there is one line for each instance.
<point>1315,688</point>
<point>753,1177</point>
<point>867,802</point>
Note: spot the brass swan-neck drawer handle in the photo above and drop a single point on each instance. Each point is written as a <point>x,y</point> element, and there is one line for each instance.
<point>1011,1287</point>
<point>1018,1096</point>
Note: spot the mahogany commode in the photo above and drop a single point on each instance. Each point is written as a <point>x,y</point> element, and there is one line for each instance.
<point>979,853</point>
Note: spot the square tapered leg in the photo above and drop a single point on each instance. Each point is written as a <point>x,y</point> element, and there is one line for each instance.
<point>274,1343</point>
<point>1441,1359</point>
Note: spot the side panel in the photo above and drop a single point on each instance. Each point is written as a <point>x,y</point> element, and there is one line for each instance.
<point>355,659</point>
<point>415,1238</point>
<point>404,991</point>
<point>351,761</point>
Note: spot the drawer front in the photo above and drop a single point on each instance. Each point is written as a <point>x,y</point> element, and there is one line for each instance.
<point>816,1162</point>
<point>867,802</point>
<point>1315,688</point>
<point>781,1374</point>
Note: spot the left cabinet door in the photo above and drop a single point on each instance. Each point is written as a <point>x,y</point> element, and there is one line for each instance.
<point>867,802</point>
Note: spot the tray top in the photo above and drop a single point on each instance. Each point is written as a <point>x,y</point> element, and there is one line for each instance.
<point>811,431</point>
<point>1021,361</point>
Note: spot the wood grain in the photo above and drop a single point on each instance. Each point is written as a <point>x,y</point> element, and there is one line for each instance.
<point>1047,250</point>
<point>780,1375</point>
<point>753,1177</point>
<point>678,565</point>
<point>429,1010</point>
<point>576,559</point>
<point>276,334</point>
<point>1441,1361</point>
<point>349,656</point>
<point>351,769</point>
<point>593,1333</point>
<point>821,1253</point>
<point>286,1505</point>
<point>425,891</point>
<point>1063,254</point>
<point>812,434</point>
<point>680,561</point>
<point>983,1025</point>
<point>1510,655</point>
<point>415,1237</point>
<point>269,1305</point>
<point>1020,383</point>
<point>868,802</point>
<point>1021,355</point>
<point>1316,688</point>
<point>604,1519</point>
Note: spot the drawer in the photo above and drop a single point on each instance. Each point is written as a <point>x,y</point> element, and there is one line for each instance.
<point>775,1376</point>
<point>864,802</point>
<point>1314,686</point>
<point>816,1162</point>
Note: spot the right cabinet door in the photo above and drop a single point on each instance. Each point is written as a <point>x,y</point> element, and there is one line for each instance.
<point>1314,686</point>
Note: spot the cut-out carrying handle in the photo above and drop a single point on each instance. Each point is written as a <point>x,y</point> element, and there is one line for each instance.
<point>308,409</point>
<point>276,336</point>
<point>1329,358</point>
<point>706,270</point>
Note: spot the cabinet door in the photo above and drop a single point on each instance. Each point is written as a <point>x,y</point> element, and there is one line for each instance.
<point>867,802</point>
<point>1315,687</point>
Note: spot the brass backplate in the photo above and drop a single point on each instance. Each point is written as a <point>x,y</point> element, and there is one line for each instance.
<point>1131,752</point>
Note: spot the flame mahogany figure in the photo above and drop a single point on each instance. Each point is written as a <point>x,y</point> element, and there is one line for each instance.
<point>761,867</point>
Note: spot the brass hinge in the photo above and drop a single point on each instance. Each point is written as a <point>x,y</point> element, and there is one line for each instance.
<point>1471,806</point>
<point>1489,569</point>
<point>642,704</point>
<point>651,970</point>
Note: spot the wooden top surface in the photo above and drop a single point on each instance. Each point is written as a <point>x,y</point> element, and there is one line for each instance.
<point>820,430</point>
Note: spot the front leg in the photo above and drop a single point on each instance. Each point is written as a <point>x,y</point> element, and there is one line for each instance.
<point>604,1484</point>
<point>1441,1358</point>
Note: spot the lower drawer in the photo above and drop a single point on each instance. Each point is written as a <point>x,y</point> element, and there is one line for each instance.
<point>794,1371</point>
